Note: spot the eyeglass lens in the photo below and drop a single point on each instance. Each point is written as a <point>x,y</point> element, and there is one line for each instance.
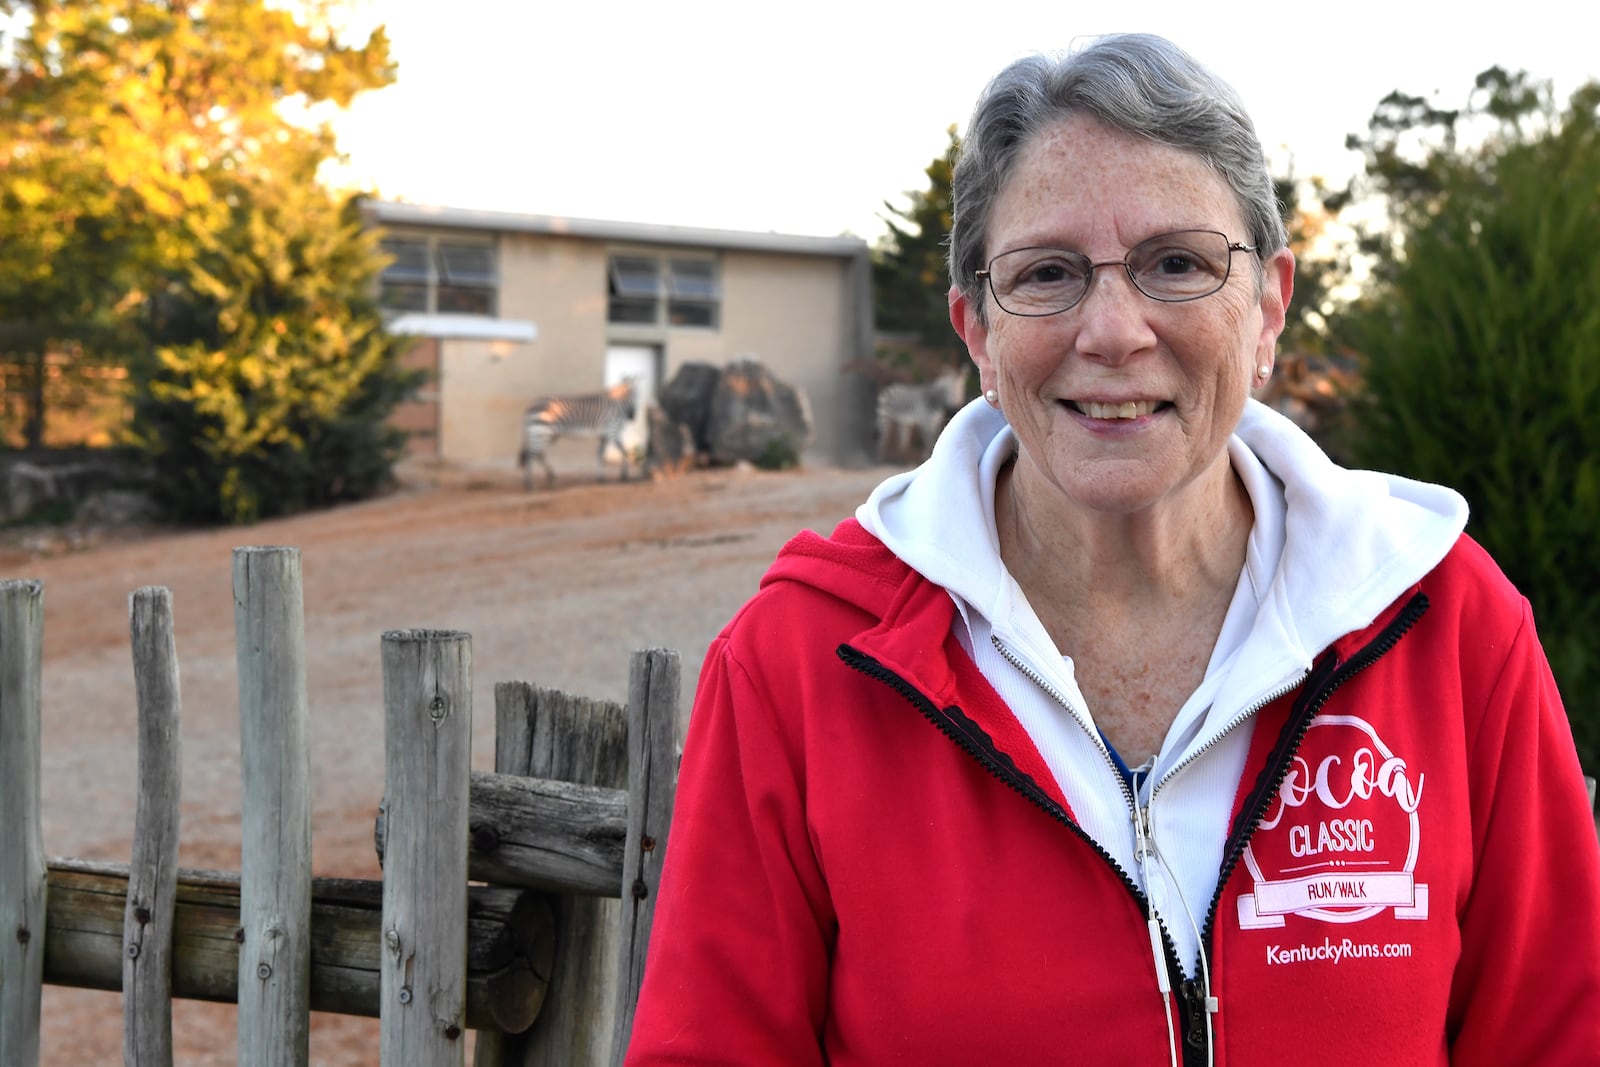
<point>1172,267</point>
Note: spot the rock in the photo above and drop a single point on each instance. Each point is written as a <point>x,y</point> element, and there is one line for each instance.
<point>672,446</point>
<point>32,486</point>
<point>117,507</point>
<point>757,418</point>
<point>687,400</point>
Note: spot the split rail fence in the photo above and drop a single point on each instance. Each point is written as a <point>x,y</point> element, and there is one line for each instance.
<point>516,903</point>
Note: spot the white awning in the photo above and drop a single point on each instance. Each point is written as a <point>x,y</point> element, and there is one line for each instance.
<point>472,327</point>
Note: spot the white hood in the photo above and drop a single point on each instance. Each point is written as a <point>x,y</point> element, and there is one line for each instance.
<point>1353,540</point>
<point>1330,549</point>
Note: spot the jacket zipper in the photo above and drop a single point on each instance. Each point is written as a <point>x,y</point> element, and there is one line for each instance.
<point>1000,766</point>
<point>1192,994</point>
<point>1326,678</point>
<point>1320,684</point>
<point>1140,814</point>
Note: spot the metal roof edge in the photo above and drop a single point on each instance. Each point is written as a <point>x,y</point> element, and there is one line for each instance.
<point>397,213</point>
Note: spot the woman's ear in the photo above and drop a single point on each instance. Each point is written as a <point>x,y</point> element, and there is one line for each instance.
<point>1277,288</point>
<point>974,332</point>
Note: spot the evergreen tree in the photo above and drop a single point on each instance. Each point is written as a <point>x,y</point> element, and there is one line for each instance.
<point>271,375</point>
<point>1479,338</point>
<point>910,278</point>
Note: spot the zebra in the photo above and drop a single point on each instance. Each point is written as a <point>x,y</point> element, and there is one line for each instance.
<point>910,415</point>
<point>604,415</point>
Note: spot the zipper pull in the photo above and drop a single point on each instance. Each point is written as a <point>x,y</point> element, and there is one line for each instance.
<point>1195,1006</point>
<point>1144,846</point>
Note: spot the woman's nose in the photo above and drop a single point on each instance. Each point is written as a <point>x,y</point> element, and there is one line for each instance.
<point>1112,320</point>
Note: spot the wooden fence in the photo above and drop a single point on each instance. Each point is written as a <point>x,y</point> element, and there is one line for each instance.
<point>515,903</point>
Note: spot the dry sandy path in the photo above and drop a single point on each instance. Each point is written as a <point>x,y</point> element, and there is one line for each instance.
<point>556,588</point>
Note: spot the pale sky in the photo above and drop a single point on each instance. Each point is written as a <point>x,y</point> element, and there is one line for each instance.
<point>804,117</point>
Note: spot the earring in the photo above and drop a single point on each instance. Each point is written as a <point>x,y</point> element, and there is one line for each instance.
<point>992,396</point>
<point>1264,372</point>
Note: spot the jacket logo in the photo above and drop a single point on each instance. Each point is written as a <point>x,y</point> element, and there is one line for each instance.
<point>1339,843</point>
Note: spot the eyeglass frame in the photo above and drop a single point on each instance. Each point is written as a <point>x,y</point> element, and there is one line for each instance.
<point>1232,246</point>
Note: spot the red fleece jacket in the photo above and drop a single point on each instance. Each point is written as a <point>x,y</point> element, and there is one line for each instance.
<point>870,863</point>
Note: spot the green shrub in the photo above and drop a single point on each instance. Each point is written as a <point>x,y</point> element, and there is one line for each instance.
<point>779,454</point>
<point>270,375</point>
<point>1481,371</point>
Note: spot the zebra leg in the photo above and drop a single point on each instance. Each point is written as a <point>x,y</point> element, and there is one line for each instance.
<point>600,454</point>
<point>536,438</point>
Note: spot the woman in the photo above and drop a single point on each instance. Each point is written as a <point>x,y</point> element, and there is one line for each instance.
<point>1128,728</point>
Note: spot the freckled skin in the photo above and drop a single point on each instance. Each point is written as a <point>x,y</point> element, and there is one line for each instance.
<point>1080,186</point>
<point>1126,535</point>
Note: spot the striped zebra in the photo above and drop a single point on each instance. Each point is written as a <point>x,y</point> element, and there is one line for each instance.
<point>604,415</point>
<point>910,415</point>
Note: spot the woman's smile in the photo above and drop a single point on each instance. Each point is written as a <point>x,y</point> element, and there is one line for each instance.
<point>1118,410</point>
<point>1122,403</point>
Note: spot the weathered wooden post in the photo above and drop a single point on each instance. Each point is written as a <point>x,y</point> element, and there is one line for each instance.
<point>652,783</point>
<point>544,733</point>
<point>153,874</point>
<point>427,700</point>
<point>22,863</point>
<point>275,868</point>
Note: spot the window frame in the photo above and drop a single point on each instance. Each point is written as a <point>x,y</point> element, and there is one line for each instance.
<point>683,290</point>
<point>447,284</point>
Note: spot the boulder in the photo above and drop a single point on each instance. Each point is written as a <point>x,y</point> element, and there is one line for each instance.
<point>686,400</point>
<point>31,487</point>
<point>672,447</point>
<point>756,418</point>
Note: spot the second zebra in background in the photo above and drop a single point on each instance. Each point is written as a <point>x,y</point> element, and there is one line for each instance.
<point>910,415</point>
<point>604,415</point>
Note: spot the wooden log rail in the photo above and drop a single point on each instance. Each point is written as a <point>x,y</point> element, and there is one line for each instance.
<point>510,941</point>
<point>540,833</point>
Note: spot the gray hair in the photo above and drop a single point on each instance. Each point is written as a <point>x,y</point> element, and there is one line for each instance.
<point>1138,84</point>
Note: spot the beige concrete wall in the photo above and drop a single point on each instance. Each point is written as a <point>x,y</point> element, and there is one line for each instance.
<point>559,285</point>
<point>799,315</point>
<point>795,314</point>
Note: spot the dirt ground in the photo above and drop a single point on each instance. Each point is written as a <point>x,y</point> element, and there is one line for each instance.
<point>558,588</point>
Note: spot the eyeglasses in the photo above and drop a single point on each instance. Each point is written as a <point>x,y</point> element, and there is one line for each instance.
<point>1171,267</point>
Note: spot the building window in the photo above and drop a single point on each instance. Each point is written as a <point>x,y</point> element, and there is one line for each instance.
<point>692,286</point>
<point>635,289</point>
<point>440,274</point>
<point>672,290</point>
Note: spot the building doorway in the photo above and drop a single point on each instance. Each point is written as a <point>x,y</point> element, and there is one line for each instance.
<point>642,363</point>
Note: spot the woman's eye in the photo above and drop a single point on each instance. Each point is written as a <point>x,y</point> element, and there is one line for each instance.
<point>1175,263</point>
<point>1052,272</point>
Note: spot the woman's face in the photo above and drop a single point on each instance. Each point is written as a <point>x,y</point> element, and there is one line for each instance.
<point>1066,381</point>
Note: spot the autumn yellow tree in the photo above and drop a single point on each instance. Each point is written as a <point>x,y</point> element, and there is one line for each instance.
<point>124,128</point>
